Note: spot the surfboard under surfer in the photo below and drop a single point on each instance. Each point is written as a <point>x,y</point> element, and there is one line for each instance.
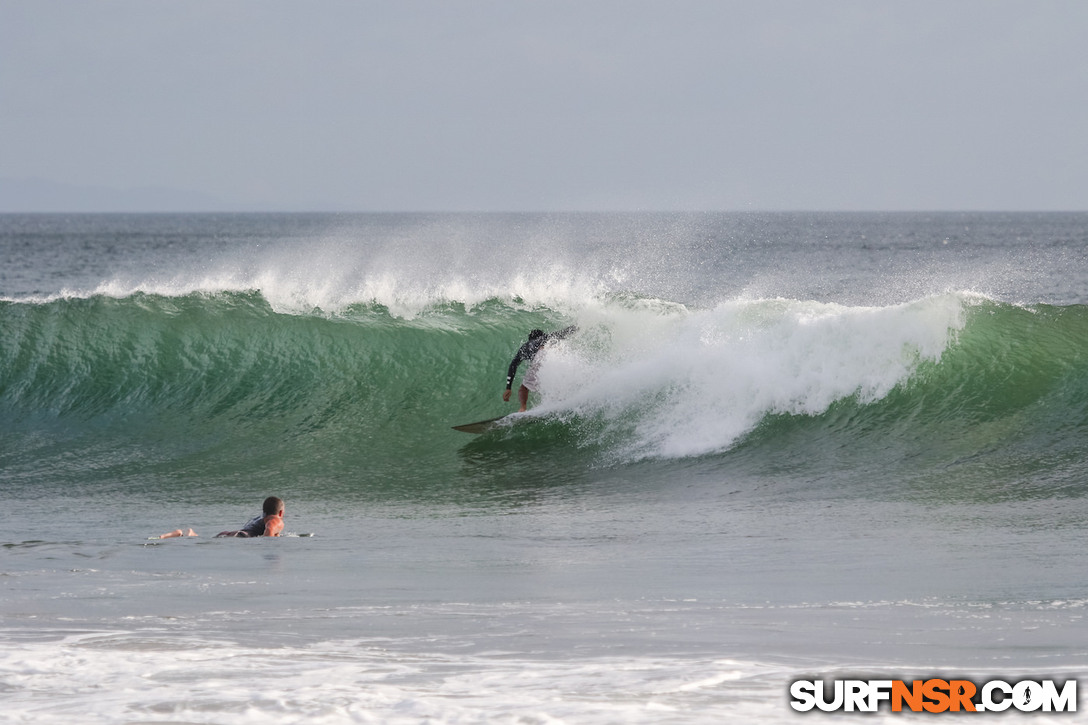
<point>529,351</point>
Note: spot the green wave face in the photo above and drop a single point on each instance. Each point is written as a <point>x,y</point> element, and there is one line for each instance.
<point>209,388</point>
<point>218,394</point>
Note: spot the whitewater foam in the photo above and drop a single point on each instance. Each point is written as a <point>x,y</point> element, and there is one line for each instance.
<point>694,381</point>
<point>127,673</point>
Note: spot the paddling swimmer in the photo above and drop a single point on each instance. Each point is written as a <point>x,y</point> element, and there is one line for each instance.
<point>528,351</point>
<point>269,523</point>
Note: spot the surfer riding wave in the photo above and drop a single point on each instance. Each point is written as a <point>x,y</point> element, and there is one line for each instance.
<point>530,351</point>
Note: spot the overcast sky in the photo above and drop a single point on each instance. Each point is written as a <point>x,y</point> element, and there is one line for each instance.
<point>544,105</point>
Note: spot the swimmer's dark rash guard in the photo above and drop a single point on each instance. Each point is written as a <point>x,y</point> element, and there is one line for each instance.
<point>255,526</point>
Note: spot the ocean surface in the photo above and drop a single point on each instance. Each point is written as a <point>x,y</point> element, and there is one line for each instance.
<point>780,446</point>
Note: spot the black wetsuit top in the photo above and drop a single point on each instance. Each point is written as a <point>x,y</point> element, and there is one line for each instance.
<point>255,527</point>
<point>531,348</point>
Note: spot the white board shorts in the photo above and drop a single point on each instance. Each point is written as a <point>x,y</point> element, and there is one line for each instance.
<point>531,381</point>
